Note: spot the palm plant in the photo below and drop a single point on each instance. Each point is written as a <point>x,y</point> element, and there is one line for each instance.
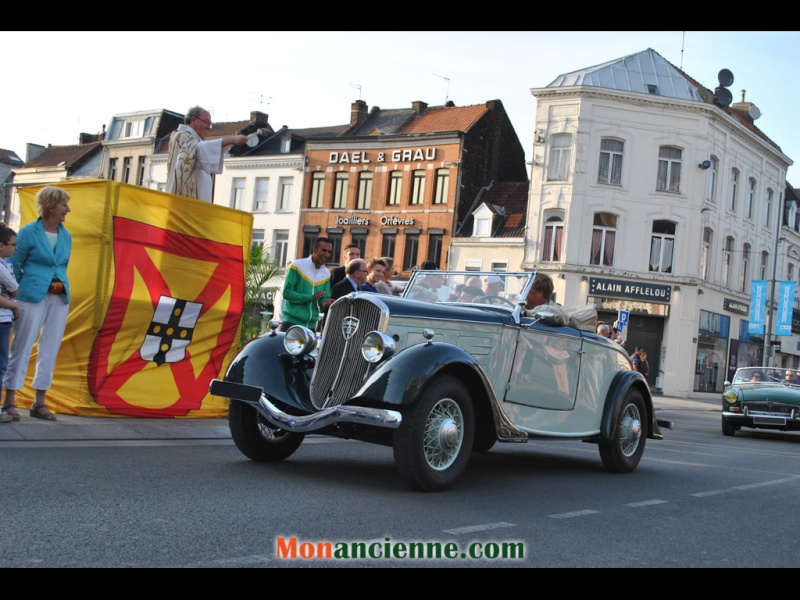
<point>260,271</point>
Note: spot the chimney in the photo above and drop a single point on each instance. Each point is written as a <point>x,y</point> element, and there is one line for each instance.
<point>358,112</point>
<point>33,151</point>
<point>747,110</point>
<point>418,106</point>
<point>259,117</point>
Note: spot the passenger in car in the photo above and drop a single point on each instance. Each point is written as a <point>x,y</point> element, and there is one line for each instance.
<point>493,286</point>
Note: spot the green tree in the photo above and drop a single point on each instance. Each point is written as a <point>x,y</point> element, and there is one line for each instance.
<point>260,271</point>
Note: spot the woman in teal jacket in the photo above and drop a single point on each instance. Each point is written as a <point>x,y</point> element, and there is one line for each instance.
<point>40,266</point>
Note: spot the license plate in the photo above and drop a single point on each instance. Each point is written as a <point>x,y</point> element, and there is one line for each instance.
<point>769,420</point>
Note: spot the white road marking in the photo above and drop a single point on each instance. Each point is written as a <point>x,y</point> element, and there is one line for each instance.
<point>577,513</point>
<point>474,528</point>
<point>750,486</point>
<point>646,503</point>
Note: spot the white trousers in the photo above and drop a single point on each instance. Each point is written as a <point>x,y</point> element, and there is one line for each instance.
<point>48,318</point>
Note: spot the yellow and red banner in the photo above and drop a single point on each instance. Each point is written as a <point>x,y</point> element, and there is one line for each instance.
<point>157,284</point>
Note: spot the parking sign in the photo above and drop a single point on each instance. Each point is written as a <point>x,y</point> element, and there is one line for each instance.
<point>622,320</point>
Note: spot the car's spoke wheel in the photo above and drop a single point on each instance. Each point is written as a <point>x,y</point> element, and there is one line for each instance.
<point>625,451</point>
<point>433,444</point>
<point>728,428</point>
<point>257,439</point>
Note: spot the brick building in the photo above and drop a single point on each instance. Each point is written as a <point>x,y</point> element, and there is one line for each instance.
<point>399,182</point>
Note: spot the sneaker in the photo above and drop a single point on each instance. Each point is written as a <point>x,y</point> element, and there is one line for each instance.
<point>6,418</point>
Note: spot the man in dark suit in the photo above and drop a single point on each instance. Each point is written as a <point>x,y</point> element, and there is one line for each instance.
<point>351,251</point>
<point>356,276</point>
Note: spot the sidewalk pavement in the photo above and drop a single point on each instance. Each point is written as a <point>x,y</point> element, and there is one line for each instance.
<point>74,428</point>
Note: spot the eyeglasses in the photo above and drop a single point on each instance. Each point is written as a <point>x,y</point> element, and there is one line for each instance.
<point>209,123</point>
<point>7,244</point>
<point>363,270</point>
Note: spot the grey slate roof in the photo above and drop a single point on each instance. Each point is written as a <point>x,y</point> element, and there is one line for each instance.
<point>386,121</point>
<point>634,73</point>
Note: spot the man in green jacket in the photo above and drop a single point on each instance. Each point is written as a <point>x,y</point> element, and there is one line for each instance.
<point>307,286</point>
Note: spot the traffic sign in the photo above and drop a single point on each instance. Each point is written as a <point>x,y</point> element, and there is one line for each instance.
<point>622,320</point>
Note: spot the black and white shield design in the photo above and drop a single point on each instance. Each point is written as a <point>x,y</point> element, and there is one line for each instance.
<point>349,327</point>
<point>170,330</point>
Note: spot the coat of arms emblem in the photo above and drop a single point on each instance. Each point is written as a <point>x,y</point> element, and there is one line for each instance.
<point>349,327</point>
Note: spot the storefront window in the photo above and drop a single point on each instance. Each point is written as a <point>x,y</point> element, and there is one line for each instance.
<point>712,351</point>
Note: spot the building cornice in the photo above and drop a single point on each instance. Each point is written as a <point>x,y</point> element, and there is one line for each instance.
<point>294,162</point>
<point>386,141</point>
<point>484,242</point>
<point>709,110</point>
<point>148,141</point>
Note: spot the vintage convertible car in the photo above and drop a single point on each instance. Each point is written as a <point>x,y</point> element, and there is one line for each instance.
<point>438,374</point>
<point>761,398</point>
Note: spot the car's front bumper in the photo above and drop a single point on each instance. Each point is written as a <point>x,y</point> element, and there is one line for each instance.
<point>788,422</point>
<point>378,417</point>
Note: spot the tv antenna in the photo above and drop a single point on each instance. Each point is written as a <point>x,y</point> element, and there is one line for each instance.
<point>261,99</point>
<point>358,87</point>
<point>447,93</point>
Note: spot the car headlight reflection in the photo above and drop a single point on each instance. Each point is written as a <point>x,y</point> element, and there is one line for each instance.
<point>299,340</point>
<point>377,346</point>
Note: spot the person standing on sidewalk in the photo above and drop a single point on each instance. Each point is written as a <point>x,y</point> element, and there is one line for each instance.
<point>9,311</point>
<point>40,266</point>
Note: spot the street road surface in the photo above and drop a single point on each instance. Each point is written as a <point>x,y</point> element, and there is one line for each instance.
<point>698,499</point>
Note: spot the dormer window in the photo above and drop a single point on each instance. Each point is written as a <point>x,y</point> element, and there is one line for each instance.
<point>483,227</point>
<point>286,145</point>
<point>134,129</point>
<point>482,220</point>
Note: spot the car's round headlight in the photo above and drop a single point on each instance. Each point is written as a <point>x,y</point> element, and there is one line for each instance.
<point>731,397</point>
<point>299,340</point>
<point>377,346</point>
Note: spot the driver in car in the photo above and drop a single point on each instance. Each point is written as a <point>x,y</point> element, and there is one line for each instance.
<point>540,291</point>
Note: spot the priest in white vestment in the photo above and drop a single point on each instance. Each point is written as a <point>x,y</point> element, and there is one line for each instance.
<point>192,160</point>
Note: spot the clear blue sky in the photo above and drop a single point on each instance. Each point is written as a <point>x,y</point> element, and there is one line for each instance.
<point>61,83</point>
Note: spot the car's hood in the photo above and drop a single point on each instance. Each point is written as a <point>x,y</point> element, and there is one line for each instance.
<point>765,392</point>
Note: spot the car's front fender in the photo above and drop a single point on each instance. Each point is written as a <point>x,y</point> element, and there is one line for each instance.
<point>264,363</point>
<point>623,381</point>
<point>401,379</point>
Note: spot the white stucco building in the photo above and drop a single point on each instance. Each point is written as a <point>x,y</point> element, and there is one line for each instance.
<point>652,194</point>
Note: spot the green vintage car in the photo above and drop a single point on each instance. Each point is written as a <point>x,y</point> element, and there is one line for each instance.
<point>437,374</point>
<point>761,398</point>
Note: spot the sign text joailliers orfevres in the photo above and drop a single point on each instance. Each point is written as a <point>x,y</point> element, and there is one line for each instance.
<point>629,289</point>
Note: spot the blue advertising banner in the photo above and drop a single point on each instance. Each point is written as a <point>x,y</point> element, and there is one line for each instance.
<point>757,303</point>
<point>783,323</point>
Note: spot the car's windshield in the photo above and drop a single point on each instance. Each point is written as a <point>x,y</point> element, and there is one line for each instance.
<point>767,375</point>
<point>468,287</point>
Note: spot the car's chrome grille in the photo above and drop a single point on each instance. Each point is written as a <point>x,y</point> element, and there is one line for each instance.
<point>770,408</point>
<point>340,368</point>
